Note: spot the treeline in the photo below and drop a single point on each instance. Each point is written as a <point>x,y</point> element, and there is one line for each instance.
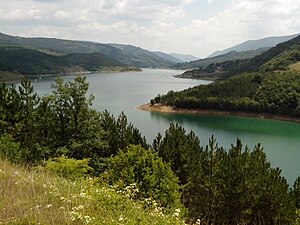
<point>208,185</point>
<point>276,93</point>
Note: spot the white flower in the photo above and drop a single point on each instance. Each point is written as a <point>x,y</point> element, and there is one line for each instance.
<point>82,195</point>
<point>48,206</point>
<point>87,219</point>
<point>121,218</point>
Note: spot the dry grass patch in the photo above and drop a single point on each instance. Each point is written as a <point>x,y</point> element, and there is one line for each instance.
<point>295,66</point>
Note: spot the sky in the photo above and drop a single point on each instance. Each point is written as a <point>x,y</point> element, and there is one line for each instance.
<point>197,27</point>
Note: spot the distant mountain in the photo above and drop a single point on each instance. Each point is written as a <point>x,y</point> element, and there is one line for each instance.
<point>32,62</point>
<point>255,44</point>
<point>184,58</point>
<point>233,55</point>
<point>143,58</point>
<point>128,55</point>
<point>167,57</point>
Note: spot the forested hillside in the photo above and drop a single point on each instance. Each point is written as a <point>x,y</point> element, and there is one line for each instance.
<point>233,55</point>
<point>31,62</point>
<point>113,169</point>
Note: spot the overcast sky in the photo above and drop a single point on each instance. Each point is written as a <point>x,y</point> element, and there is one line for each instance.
<point>197,27</point>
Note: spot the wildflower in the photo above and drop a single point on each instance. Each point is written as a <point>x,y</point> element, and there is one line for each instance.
<point>177,212</point>
<point>48,206</point>
<point>87,219</point>
<point>121,218</point>
<point>198,221</point>
<point>44,185</point>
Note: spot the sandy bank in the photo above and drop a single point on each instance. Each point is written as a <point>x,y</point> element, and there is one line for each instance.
<point>168,109</point>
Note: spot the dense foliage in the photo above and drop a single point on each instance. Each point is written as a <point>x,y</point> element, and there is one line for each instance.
<point>277,93</point>
<point>62,123</point>
<point>227,186</point>
<point>153,178</point>
<point>63,134</point>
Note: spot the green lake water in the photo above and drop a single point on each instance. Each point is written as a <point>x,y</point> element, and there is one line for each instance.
<point>119,92</point>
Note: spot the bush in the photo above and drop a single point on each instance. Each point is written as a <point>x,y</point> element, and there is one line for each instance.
<point>68,167</point>
<point>152,176</point>
<point>9,149</point>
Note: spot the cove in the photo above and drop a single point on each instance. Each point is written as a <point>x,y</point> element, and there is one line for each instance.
<point>119,92</point>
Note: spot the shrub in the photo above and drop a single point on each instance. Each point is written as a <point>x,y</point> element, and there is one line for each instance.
<point>9,149</point>
<point>152,176</point>
<point>68,167</point>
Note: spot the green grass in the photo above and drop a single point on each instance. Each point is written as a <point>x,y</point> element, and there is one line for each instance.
<point>35,197</point>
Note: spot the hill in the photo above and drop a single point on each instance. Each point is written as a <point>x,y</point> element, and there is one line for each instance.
<point>184,57</point>
<point>142,57</point>
<point>37,197</point>
<point>255,44</point>
<point>32,62</point>
<point>278,58</point>
<point>61,46</point>
<point>168,57</point>
<point>233,55</point>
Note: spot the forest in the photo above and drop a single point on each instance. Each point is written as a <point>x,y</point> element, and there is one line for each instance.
<point>273,92</point>
<point>61,133</point>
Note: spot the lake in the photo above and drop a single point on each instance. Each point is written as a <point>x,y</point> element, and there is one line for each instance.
<point>119,92</point>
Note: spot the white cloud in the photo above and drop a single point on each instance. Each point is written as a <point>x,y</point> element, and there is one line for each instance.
<point>61,14</point>
<point>156,25</point>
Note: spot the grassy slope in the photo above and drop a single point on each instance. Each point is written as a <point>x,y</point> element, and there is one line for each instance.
<point>39,198</point>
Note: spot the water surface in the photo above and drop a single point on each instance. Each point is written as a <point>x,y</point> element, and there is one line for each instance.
<point>119,92</point>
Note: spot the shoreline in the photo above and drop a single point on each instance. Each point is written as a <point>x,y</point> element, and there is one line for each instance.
<point>172,110</point>
<point>62,74</point>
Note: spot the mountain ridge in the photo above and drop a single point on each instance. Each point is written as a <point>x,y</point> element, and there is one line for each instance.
<point>266,42</point>
<point>64,46</point>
